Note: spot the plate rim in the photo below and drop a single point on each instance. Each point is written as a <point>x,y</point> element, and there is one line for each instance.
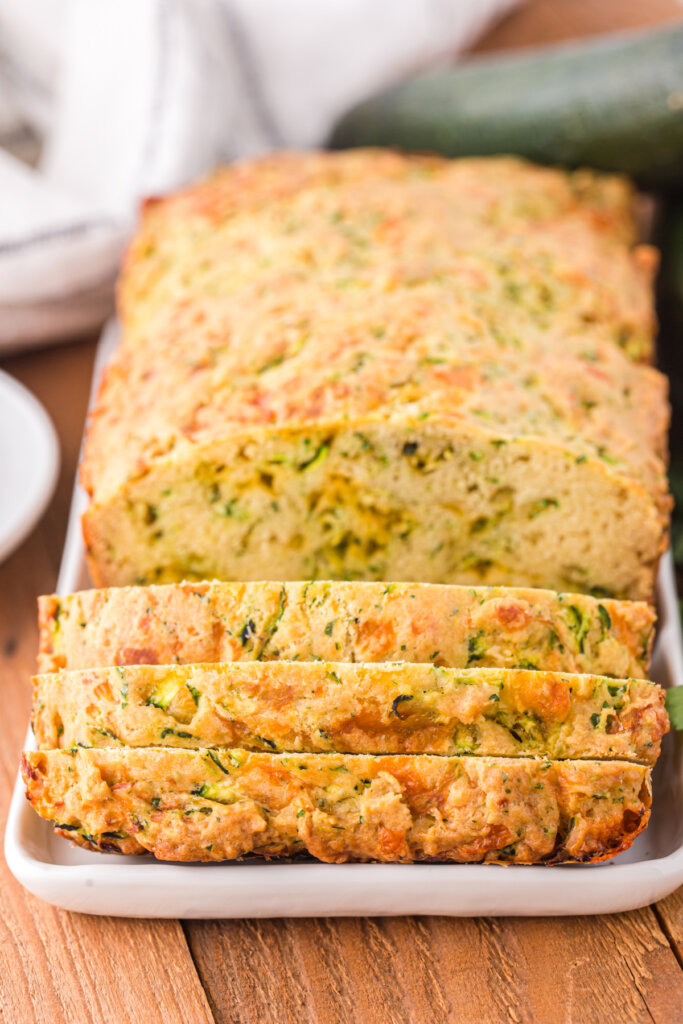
<point>48,438</point>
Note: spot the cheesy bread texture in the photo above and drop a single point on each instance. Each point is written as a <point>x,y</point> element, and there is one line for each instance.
<point>213,805</point>
<point>454,626</point>
<point>352,708</point>
<point>364,365</point>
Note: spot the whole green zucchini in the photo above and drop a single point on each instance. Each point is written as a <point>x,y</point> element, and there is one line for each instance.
<point>669,238</point>
<point>614,102</point>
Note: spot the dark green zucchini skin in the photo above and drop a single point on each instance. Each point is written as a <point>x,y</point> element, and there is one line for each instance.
<point>669,238</point>
<point>614,102</point>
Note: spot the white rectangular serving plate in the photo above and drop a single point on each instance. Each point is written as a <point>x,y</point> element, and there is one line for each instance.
<point>53,869</point>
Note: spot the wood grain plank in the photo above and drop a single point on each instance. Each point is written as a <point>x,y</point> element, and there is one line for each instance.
<point>616,970</point>
<point>56,966</point>
<point>541,22</point>
<point>670,916</point>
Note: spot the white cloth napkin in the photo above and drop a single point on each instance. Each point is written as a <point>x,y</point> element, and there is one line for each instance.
<point>136,97</point>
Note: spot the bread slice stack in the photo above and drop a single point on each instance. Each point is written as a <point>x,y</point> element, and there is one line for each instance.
<point>349,721</point>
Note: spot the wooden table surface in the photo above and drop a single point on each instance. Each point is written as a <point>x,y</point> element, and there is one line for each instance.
<point>57,966</point>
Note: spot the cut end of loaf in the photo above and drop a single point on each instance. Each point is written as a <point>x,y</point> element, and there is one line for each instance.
<point>383,500</point>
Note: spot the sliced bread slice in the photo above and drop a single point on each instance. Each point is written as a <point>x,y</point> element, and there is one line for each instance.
<point>390,708</point>
<point>454,626</point>
<point>212,805</point>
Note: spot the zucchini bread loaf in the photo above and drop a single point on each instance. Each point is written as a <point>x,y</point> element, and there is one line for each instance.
<point>337,621</point>
<point>358,709</point>
<point>369,366</point>
<point>213,805</point>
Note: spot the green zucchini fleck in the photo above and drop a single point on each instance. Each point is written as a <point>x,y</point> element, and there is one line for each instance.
<point>271,628</point>
<point>605,617</point>
<point>399,700</point>
<point>216,760</point>
<point>164,693</point>
<point>247,632</point>
<point>213,791</point>
<point>579,623</point>
<point>321,453</point>
<point>536,507</point>
<point>109,734</point>
<point>476,647</point>
<point>268,743</point>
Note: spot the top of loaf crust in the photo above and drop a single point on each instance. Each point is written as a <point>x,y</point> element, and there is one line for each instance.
<point>326,287</point>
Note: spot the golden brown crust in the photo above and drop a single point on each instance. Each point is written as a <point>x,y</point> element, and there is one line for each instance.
<point>585,217</point>
<point>340,621</point>
<point>330,291</point>
<point>370,709</point>
<point>218,805</point>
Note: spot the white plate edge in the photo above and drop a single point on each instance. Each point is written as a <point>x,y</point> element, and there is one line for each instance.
<point>53,459</point>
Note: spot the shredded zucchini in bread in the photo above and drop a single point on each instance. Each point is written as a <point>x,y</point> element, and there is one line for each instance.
<point>336,621</point>
<point>213,805</point>
<point>360,709</point>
